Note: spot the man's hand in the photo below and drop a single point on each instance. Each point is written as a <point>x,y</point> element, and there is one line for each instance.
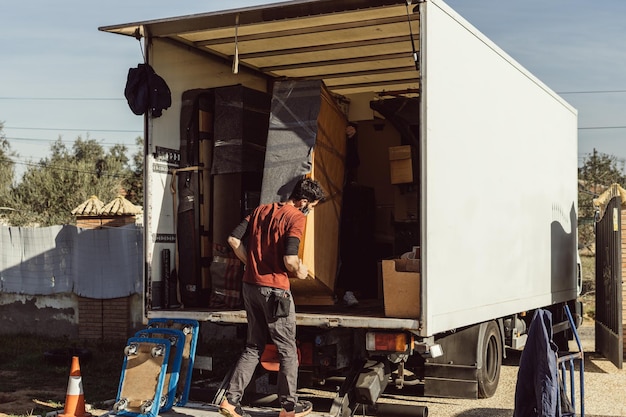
<point>303,271</point>
<point>295,267</point>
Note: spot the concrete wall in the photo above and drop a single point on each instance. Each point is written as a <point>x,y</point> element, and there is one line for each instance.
<point>70,316</point>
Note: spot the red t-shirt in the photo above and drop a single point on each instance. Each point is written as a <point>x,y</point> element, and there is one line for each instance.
<point>269,226</point>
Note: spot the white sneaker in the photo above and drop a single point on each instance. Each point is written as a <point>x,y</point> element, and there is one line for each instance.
<point>350,299</point>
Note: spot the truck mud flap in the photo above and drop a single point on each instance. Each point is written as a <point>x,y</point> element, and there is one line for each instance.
<point>451,381</point>
<point>470,365</point>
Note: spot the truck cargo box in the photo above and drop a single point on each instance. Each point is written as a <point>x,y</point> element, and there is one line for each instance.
<point>493,199</point>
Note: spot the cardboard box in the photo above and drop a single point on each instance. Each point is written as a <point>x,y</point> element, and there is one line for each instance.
<point>401,288</point>
<point>400,164</point>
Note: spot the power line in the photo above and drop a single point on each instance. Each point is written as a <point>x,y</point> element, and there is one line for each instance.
<point>601,127</point>
<point>55,168</point>
<point>593,92</point>
<point>65,98</point>
<point>74,129</point>
<point>64,141</point>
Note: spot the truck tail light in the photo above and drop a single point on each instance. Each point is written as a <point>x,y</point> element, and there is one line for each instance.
<point>388,342</point>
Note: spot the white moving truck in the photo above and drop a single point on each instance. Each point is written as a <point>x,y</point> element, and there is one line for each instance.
<point>466,156</point>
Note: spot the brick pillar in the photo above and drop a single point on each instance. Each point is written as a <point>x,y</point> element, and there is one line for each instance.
<point>89,318</point>
<point>103,319</point>
<point>116,314</point>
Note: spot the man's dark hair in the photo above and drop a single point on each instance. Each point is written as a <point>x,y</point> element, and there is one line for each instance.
<point>307,188</point>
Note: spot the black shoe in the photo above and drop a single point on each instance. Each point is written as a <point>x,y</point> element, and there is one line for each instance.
<point>300,409</point>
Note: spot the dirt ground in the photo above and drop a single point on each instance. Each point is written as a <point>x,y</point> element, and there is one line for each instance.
<point>23,402</point>
<point>37,399</point>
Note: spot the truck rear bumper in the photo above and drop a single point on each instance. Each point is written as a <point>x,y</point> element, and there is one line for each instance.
<point>302,319</point>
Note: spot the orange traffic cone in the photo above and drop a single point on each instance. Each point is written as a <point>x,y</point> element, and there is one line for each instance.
<point>75,399</point>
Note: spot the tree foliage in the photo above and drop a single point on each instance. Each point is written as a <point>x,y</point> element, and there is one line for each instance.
<point>134,180</point>
<point>51,189</point>
<point>6,172</point>
<point>6,163</point>
<point>597,173</point>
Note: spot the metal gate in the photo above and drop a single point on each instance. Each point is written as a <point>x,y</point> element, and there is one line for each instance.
<point>609,326</point>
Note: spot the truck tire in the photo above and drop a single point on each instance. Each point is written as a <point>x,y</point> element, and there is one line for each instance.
<point>490,353</point>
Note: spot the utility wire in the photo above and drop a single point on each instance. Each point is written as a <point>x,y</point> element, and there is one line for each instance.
<point>601,127</point>
<point>65,98</point>
<point>593,92</point>
<point>55,168</point>
<point>74,129</point>
<point>67,141</point>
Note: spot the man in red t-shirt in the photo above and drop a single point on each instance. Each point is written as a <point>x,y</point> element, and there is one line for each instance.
<point>274,232</point>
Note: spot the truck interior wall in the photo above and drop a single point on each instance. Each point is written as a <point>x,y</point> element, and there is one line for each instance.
<point>499,180</point>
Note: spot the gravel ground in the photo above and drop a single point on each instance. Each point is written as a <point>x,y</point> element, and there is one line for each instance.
<point>605,388</point>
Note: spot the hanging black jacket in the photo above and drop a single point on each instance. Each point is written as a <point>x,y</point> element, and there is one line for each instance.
<point>145,90</point>
<point>537,378</point>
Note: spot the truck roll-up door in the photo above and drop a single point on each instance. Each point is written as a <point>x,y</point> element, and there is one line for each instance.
<point>609,330</point>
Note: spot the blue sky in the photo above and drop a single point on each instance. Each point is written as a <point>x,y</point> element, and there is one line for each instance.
<point>60,76</point>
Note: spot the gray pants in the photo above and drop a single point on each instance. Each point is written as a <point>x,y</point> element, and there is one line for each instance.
<point>282,331</point>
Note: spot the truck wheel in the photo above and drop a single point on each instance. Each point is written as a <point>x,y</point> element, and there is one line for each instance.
<point>490,351</point>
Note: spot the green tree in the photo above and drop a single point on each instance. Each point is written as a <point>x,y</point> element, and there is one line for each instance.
<point>134,181</point>
<point>6,172</point>
<point>597,173</point>
<point>50,190</point>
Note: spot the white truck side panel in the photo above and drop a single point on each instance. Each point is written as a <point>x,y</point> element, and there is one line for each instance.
<point>183,70</point>
<point>498,165</point>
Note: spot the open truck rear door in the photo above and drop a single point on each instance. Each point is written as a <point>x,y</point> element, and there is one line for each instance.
<point>610,235</point>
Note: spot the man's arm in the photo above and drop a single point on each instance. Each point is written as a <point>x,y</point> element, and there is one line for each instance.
<point>238,248</point>
<point>234,240</point>
<point>294,265</point>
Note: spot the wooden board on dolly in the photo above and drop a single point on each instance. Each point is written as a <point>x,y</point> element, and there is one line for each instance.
<point>143,374</point>
<point>172,392</point>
